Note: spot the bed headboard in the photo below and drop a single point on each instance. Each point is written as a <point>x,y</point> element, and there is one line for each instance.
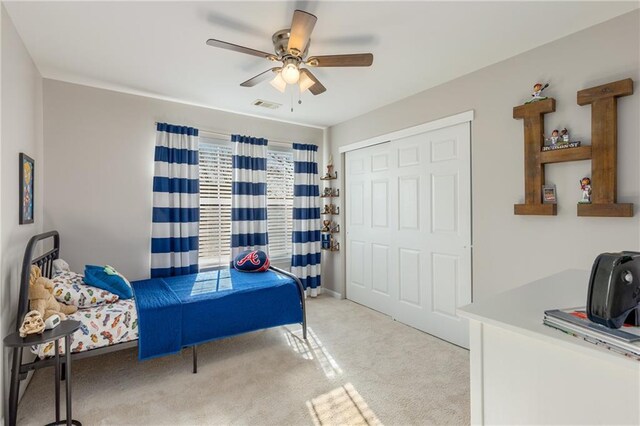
<point>45,262</point>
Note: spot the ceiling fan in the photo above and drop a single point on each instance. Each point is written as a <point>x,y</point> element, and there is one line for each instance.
<point>291,47</point>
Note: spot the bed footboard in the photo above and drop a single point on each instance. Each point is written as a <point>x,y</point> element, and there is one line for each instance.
<point>301,293</point>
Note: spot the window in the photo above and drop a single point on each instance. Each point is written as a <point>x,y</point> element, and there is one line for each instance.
<point>215,202</point>
<point>280,202</point>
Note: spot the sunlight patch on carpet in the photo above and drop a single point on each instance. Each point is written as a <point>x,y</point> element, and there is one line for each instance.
<point>313,348</point>
<point>341,406</point>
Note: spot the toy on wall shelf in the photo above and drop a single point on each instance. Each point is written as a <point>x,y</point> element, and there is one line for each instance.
<point>549,194</point>
<point>335,228</point>
<point>559,140</point>
<point>335,245</point>
<point>329,226</point>
<point>536,95</point>
<point>585,185</point>
<point>329,243</point>
<point>326,241</point>
<point>330,174</point>
<point>330,193</point>
<point>331,209</point>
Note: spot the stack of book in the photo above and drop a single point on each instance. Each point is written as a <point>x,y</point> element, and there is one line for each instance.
<point>574,321</point>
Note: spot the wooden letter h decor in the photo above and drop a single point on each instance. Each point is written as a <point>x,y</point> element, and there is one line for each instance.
<point>603,152</point>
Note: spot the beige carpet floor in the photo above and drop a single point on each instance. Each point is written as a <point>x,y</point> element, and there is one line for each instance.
<point>358,367</point>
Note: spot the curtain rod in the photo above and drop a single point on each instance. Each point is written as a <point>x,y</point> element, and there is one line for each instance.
<point>227,136</point>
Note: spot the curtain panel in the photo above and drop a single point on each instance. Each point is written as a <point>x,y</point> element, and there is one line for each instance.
<point>249,195</point>
<point>176,202</point>
<point>306,250</point>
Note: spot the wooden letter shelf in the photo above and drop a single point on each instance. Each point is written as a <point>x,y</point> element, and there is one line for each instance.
<point>603,152</point>
<point>533,116</point>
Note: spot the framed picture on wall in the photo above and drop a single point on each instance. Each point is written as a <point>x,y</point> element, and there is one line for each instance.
<point>26,183</point>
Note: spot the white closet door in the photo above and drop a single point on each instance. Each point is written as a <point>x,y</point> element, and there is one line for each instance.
<point>408,251</point>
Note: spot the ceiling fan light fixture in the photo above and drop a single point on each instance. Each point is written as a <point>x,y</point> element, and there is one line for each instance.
<point>279,83</point>
<point>290,72</point>
<point>305,82</point>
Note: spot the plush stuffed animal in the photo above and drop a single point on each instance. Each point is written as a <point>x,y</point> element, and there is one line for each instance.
<point>60,265</point>
<point>41,297</point>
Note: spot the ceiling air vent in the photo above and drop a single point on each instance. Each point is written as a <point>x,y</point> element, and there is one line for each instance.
<point>266,104</point>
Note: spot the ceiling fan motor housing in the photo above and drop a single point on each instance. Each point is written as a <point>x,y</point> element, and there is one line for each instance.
<point>281,44</point>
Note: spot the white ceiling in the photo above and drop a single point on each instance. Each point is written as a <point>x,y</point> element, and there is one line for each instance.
<point>158,48</point>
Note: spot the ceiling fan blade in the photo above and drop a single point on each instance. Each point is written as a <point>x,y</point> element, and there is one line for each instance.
<point>317,87</point>
<point>301,28</point>
<point>263,76</point>
<point>241,49</point>
<point>354,60</point>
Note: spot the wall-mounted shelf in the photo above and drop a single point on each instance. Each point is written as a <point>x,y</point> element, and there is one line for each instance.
<point>536,209</point>
<point>602,152</point>
<point>330,177</point>
<point>604,141</point>
<point>569,154</point>
<point>533,116</point>
<point>606,210</point>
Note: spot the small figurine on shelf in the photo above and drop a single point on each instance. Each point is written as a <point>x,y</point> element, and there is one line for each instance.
<point>559,141</point>
<point>326,226</point>
<point>335,245</point>
<point>537,93</point>
<point>329,174</point>
<point>330,192</point>
<point>330,209</point>
<point>326,242</point>
<point>585,185</point>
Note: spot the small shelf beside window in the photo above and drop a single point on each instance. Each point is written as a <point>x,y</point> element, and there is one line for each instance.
<point>330,177</point>
<point>330,193</point>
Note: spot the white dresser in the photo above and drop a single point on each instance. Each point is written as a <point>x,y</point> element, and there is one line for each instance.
<point>523,372</point>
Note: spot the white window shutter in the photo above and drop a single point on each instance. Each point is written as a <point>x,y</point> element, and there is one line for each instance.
<point>280,203</point>
<point>215,202</point>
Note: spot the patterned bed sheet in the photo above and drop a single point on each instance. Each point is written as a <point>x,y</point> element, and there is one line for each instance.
<point>102,325</point>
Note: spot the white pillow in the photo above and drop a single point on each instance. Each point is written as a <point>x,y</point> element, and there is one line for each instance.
<point>70,288</point>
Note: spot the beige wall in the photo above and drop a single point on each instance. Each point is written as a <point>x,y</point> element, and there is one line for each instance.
<point>21,132</point>
<point>99,146</point>
<point>511,250</point>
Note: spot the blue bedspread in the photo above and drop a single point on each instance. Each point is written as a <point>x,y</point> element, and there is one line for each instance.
<point>187,310</point>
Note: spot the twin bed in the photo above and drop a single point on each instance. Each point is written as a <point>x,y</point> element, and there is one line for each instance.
<point>166,314</point>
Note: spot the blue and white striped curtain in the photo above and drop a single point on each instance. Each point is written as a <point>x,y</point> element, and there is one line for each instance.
<point>249,195</point>
<point>305,260</point>
<point>176,202</point>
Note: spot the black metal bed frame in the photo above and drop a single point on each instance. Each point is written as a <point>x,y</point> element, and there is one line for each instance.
<point>19,371</point>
